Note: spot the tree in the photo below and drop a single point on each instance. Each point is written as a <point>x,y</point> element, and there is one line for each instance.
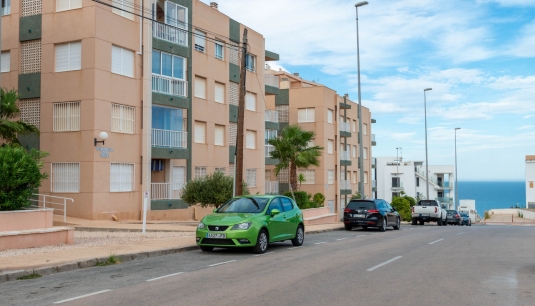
<point>9,111</point>
<point>292,150</point>
<point>301,178</point>
<point>214,189</point>
<point>20,176</point>
<point>356,196</point>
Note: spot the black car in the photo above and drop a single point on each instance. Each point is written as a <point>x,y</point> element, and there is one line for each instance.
<point>466,219</point>
<point>373,213</point>
<point>454,217</point>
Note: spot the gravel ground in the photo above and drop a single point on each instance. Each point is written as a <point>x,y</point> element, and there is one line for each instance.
<point>88,239</point>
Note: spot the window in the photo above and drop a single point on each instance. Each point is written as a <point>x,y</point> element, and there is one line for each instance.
<point>365,129</point>
<point>354,125</point>
<point>219,93</point>
<point>168,118</point>
<point>66,116</point>
<point>365,153</point>
<point>311,143</point>
<point>69,56</point>
<point>417,182</point>
<point>267,175</point>
<point>176,16</point>
<point>64,5</point>
<point>168,65</point>
<point>122,61</point>
<point>200,172</point>
<point>65,177</point>
<point>219,51</point>
<point>200,87</point>
<point>330,116</point>
<point>269,134</point>
<point>349,176</point>
<point>200,132</point>
<point>395,182</point>
<point>365,177</point>
<point>287,204</point>
<point>200,41</point>
<point>275,204</point>
<point>219,135</point>
<point>250,139</point>
<point>6,61</point>
<point>310,175</point>
<point>250,177</point>
<point>123,8</point>
<point>354,177</point>
<point>122,118</point>
<point>121,177</point>
<point>354,151</point>
<point>250,62</point>
<point>330,177</point>
<point>6,7</point>
<point>306,115</point>
<point>220,169</point>
<point>330,146</point>
<point>250,101</point>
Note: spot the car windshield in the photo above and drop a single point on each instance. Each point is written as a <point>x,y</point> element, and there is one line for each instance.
<point>452,212</point>
<point>427,203</point>
<point>244,205</point>
<point>361,205</point>
<point>464,215</point>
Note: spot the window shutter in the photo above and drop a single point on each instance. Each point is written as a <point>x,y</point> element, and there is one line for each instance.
<point>199,40</point>
<point>219,93</point>
<point>329,116</point>
<point>330,145</point>
<point>250,140</point>
<point>75,55</point>
<point>301,115</point>
<point>128,63</point>
<point>250,101</point>
<point>115,59</point>
<point>311,115</point>
<point>62,5</point>
<point>219,135</point>
<point>62,57</point>
<point>6,64</point>
<point>178,177</point>
<point>200,87</point>
<point>200,132</point>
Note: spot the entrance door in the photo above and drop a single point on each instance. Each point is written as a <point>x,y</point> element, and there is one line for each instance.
<point>179,179</point>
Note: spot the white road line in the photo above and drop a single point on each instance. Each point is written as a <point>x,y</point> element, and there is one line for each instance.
<point>321,242</point>
<point>169,275</point>
<point>81,296</point>
<point>460,233</point>
<point>264,254</point>
<point>384,263</point>
<point>293,248</point>
<point>436,241</point>
<point>341,239</point>
<point>221,263</point>
<point>361,236</point>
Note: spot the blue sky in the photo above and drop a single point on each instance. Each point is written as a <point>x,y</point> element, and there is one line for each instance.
<point>477,55</point>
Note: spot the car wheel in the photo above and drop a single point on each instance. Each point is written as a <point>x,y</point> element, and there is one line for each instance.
<point>383,226</point>
<point>364,227</point>
<point>205,248</point>
<point>261,243</point>
<point>439,222</point>
<point>348,227</point>
<point>299,236</point>
<point>414,221</point>
<point>470,224</point>
<point>398,224</point>
<point>422,222</point>
<point>445,223</point>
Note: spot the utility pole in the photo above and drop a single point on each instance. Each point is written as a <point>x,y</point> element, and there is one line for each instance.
<point>241,114</point>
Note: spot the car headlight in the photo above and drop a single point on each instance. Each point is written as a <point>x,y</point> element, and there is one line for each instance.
<point>200,225</point>
<point>242,226</point>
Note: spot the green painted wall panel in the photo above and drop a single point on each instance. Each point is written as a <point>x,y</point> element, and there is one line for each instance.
<point>271,90</point>
<point>282,125</point>
<point>30,28</point>
<point>271,56</point>
<point>346,191</point>
<point>345,163</point>
<point>168,100</point>
<point>231,153</point>
<point>167,204</point>
<point>345,134</point>
<point>233,113</point>
<point>271,161</point>
<point>345,105</point>
<point>170,47</point>
<point>283,98</point>
<point>234,73</point>
<point>31,141</point>
<point>170,153</point>
<point>234,30</point>
<point>271,125</point>
<point>30,85</point>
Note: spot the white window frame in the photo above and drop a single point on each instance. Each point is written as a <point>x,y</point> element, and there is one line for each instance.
<point>69,180</point>
<point>71,5</point>
<point>173,58</point>
<point>355,177</point>
<point>365,177</point>
<point>198,134</point>
<point>200,41</point>
<point>219,92</point>
<point>219,47</point>
<point>68,119</point>
<point>126,58</point>
<point>221,169</point>
<point>122,6</point>
<point>125,180</point>
<point>310,176</point>
<point>330,177</point>
<point>354,125</point>
<point>330,146</point>
<point>200,172</point>
<point>219,140</point>
<point>365,129</point>
<point>120,123</point>
<point>250,101</point>
<point>354,151</point>
<point>330,115</point>
<point>198,93</point>
<point>250,177</point>
<point>365,153</point>
<point>309,115</point>
<point>6,61</point>
<point>250,139</point>
<point>71,64</point>
<point>6,10</point>
<point>250,62</point>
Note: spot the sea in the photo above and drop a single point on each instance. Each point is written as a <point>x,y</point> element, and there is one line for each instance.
<point>491,195</point>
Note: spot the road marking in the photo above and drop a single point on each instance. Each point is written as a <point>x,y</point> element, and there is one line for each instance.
<point>384,263</point>
<point>264,254</point>
<point>169,275</point>
<point>436,241</point>
<point>460,233</point>
<point>361,236</point>
<point>341,239</point>
<point>293,248</point>
<point>221,263</point>
<point>81,296</point>
<point>321,242</point>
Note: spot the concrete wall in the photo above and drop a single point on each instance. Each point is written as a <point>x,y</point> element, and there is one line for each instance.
<point>26,219</point>
<point>530,182</point>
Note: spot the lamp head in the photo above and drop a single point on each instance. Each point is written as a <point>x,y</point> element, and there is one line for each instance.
<point>457,128</point>
<point>103,135</point>
<point>428,89</point>
<point>361,3</point>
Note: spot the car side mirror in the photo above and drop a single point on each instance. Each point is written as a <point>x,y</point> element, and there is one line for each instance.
<point>275,212</point>
<point>393,209</point>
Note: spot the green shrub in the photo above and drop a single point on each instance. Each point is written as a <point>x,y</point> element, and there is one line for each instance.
<point>20,176</point>
<point>319,199</point>
<point>302,198</point>
<point>487,215</point>
<point>412,201</point>
<point>212,190</point>
<point>403,207</point>
<point>356,196</point>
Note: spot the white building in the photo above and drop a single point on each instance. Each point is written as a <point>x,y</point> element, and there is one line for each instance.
<point>395,176</point>
<point>530,181</point>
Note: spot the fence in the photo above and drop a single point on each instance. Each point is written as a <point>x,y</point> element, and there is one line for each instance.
<point>169,139</point>
<point>165,32</point>
<point>166,191</point>
<point>169,85</point>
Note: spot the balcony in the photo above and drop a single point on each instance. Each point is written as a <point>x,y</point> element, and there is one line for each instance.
<point>398,186</point>
<point>169,139</point>
<point>170,33</point>
<point>344,155</point>
<point>444,200</point>
<point>374,162</point>
<point>271,116</point>
<point>271,80</point>
<point>345,127</point>
<point>166,191</point>
<point>272,187</point>
<point>345,187</point>
<point>373,140</point>
<point>170,86</point>
<point>268,149</point>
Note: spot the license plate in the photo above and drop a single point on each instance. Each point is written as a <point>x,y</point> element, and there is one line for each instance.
<point>424,215</point>
<point>358,216</point>
<point>217,236</point>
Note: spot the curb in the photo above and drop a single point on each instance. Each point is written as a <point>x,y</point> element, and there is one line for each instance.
<point>133,230</point>
<point>12,275</point>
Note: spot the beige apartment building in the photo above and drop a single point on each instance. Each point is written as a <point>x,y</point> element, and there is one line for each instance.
<point>127,105</point>
<point>334,119</point>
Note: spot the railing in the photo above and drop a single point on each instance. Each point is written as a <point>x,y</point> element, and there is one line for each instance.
<point>344,155</point>
<point>445,184</point>
<point>272,187</point>
<point>345,185</point>
<point>398,186</point>
<point>373,137</point>
<point>169,139</point>
<point>169,33</point>
<point>166,191</point>
<point>268,149</point>
<point>444,200</point>
<point>170,86</point>
<point>374,183</point>
<point>271,115</point>
<point>48,201</point>
<point>345,127</point>
<point>271,80</point>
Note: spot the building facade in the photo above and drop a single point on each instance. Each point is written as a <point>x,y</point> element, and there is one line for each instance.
<point>159,78</point>
<point>530,181</point>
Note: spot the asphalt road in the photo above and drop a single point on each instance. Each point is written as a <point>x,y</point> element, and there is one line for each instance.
<point>418,265</point>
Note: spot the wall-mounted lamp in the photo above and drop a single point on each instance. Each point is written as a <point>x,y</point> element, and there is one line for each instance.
<point>103,136</point>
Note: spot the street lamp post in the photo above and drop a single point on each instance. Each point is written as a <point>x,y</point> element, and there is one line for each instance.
<point>361,148</point>
<point>426,159</point>
<point>456,185</point>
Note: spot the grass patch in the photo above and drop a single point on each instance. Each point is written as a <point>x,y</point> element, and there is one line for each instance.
<point>112,260</point>
<point>31,276</point>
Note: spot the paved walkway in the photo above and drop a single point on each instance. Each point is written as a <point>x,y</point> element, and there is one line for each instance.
<point>508,219</point>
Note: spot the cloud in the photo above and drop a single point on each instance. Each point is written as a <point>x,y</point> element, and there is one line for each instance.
<point>509,2</point>
<point>410,120</point>
<point>526,127</point>
<point>402,136</point>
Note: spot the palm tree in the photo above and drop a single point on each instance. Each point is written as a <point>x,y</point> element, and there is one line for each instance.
<point>9,111</point>
<point>292,150</point>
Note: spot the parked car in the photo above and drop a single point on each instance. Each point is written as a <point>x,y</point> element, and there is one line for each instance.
<point>454,217</point>
<point>429,211</point>
<point>252,221</point>
<point>374,213</point>
<point>465,219</point>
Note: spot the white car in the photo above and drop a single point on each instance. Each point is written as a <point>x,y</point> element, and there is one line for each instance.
<point>429,211</point>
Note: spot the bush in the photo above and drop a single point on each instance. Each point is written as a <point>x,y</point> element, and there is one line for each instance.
<point>412,201</point>
<point>212,190</point>
<point>403,207</point>
<point>487,215</point>
<point>319,199</point>
<point>20,176</point>
<point>302,198</point>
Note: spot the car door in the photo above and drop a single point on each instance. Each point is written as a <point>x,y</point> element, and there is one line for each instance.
<point>292,217</point>
<point>392,217</point>
<point>276,224</point>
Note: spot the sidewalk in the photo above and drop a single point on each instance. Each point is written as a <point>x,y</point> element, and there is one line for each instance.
<point>508,219</point>
<point>62,260</point>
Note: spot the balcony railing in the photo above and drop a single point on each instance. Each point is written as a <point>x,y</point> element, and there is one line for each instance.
<point>166,191</point>
<point>271,80</point>
<point>374,183</point>
<point>344,155</point>
<point>345,185</point>
<point>373,137</point>
<point>272,187</point>
<point>169,33</point>
<point>444,200</point>
<point>398,186</point>
<point>345,127</point>
<point>271,115</point>
<point>169,139</point>
<point>268,149</point>
<point>170,86</point>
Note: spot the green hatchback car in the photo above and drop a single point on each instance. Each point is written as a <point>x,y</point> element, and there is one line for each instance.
<point>252,221</point>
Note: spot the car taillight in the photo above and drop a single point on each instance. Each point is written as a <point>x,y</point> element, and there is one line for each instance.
<point>456,216</point>
<point>373,211</point>
<point>436,209</point>
<point>347,210</point>
<point>413,209</point>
